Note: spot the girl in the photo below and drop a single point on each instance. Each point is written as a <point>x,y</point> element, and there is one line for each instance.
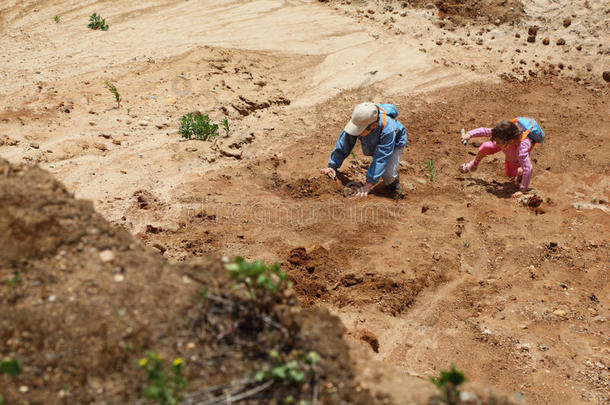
<point>515,138</point>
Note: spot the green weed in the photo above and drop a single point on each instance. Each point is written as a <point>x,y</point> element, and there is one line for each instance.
<point>430,169</point>
<point>195,125</point>
<point>448,383</point>
<point>56,19</point>
<point>112,88</point>
<point>1,400</point>
<point>353,154</point>
<point>15,280</point>
<point>10,366</point>
<point>294,368</point>
<point>226,126</point>
<point>258,278</point>
<point>466,244</point>
<point>165,387</point>
<point>96,22</point>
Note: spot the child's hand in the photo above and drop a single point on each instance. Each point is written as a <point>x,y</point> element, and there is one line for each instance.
<point>330,172</point>
<point>466,137</point>
<point>363,191</point>
<point>517,194</point>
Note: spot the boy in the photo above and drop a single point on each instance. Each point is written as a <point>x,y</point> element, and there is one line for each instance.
<point>381,137</point>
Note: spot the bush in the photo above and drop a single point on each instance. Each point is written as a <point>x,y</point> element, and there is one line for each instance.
<point>258,278</point>
<point>198,126</point>
<point>96,22</point>
<point>165,388</point>
<point>448,383</point>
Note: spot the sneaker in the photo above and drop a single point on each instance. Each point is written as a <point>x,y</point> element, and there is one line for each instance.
<point>395,185</point>
<point>468,167</point>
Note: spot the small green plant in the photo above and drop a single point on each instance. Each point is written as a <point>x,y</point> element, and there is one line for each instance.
<point>448,383</point>
<point>466,244</point>
<point>15,280</point>
<point>226,126</point>
<point>96,22</point>
<point>198,126</point>
<point>203,294</point>
<point>297,369</point>
<point>1,400</point>
<point>353,154</point>
<point>430,168</point>
<point>56,19</point>
<point>112,88</point>
<point>257,277</point>
<point>165,387</point>
<point>10,366</point>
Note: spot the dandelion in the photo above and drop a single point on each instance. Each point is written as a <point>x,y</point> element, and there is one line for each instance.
<point>177,362</point>
<point>143,362</point>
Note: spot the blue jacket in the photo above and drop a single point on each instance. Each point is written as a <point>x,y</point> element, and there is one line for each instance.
<point>376,144</point>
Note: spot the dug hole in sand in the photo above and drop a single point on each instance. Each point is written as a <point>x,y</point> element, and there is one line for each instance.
<point>513,293</point>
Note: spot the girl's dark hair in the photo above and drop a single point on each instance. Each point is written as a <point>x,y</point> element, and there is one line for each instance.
<point>505,131</point>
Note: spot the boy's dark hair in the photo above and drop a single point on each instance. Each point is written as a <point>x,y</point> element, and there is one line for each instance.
<point>505,131</point>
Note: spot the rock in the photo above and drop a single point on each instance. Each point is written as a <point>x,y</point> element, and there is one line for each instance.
<point>517,35</point>
<point>371,11</point>
<point>143,123</point>
<point>606,76</point>
<point>92,123</point>
<point>559,312</point>
<point>101,146</point>
<point>116,141</point>
<point>533,30</point>
<point>34,145</point>
<point>546,41</point>
<point>171,101</point>
<point>561,41</point>
<point>107,255</point>
<point>436,256</point>
<point>159,126</point>
<point>567,22</point>
<point>119,278</point>
<point>599,319</point>
<point>468,398</point>
<point>191,149</point>
<point>531,38</point>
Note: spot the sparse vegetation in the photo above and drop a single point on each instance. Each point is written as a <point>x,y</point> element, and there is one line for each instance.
<point>430,169</point>
<point>10,366</point>
<point>448,383</point>
<point>226,126</point>
<point>96,22</point>
<point>353,154</point>
<point>112,88</point>
<point>165,387</point>
<point>295,367</point>
<point>16,279</point>
<point>257,278</point>
<point>56,19</point>
<point>198,126</point>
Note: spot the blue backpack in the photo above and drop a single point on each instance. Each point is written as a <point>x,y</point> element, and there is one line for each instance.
<point>532,129</point>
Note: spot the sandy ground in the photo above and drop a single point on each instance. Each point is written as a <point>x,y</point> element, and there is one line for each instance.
<point>454,271</point>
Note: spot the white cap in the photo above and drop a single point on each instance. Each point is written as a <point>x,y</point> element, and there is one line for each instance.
<point>364,114</point>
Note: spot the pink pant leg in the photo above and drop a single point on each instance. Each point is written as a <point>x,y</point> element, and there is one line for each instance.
<point>511,169</point>
<point>489,148</point>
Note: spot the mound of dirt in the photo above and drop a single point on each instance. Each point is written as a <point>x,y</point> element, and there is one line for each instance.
<point>82,301</point>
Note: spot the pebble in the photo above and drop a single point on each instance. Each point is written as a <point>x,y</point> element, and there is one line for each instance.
<point>92,123</point>
<point>533,30</point>
<point>531,38</point>
<point>116,141</point>
<point>171,101</point>
<point>107,255</point>
<point>101,146</point>
<point>190,149</point>
<point>561,41</point>
<point>436,256</point>
<point>143,123</point>
<point>468,398</point>
<point>606,76</point>
<point>559,312</point>
<point>119,278</point>
<point>34,145</point>
<point>567,22</point>
<point>23,389</point>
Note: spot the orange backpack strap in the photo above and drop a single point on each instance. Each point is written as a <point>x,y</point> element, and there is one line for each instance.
<point>384,119</point>
<point>525,133</point>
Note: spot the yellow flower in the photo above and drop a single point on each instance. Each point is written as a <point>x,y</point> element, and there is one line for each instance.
<point>143,361</point>
<point>177,362</point>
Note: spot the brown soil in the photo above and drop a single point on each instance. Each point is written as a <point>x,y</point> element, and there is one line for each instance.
<point>90,300</point>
